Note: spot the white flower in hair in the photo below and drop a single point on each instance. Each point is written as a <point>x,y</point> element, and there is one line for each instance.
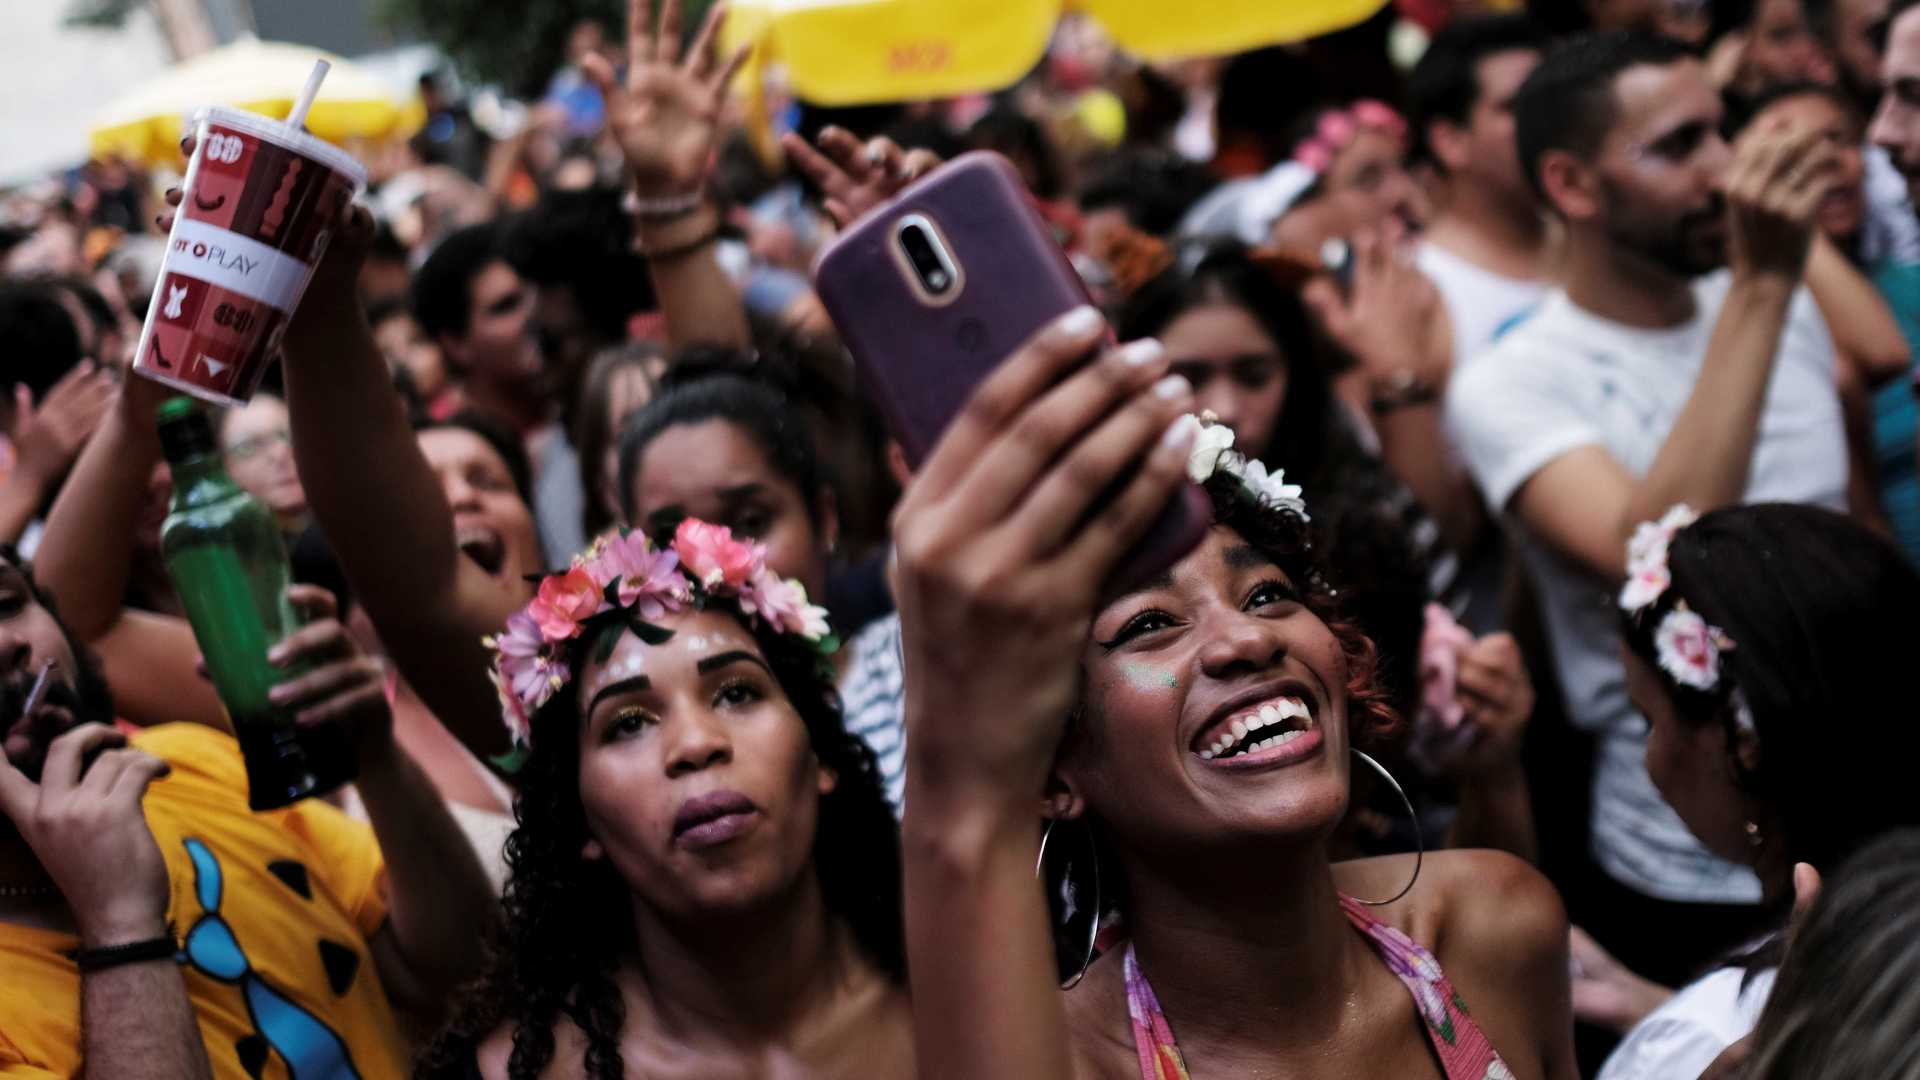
<point>1211,442</point>
<point>1647,574</point>
<point>1689,649</point>
<point>1274,487</point>
<point>1213,452</point>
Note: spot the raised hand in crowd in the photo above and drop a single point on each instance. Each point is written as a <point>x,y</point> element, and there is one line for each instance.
<point>361,465</point>
<point>47,438</point>
<point>1496,696</point>
<point>995,579</point>
<point>1777,180</point>
<point>855,177</point>
<point>667,116</point>
<point>1390,320</point>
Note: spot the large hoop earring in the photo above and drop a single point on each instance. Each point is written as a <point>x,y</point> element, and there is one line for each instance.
<point>1419,841</point>
<point>1068,897</point>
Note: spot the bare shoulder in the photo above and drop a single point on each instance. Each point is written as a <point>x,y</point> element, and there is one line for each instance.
<point>1494,901</point>
<point>1481,913</point>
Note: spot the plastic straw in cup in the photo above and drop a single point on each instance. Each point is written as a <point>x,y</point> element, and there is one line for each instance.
<point>298,117</point>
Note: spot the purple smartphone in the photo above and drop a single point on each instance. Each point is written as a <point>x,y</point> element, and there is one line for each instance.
<point>934,289</point>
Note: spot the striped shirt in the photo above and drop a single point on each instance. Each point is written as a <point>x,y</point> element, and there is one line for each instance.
<point>873,696</point>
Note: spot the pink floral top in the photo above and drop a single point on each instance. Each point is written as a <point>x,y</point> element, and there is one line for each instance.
<point>1465,1054</point>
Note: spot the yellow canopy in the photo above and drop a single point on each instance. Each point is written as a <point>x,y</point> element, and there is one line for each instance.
<point>265,77</point>
<point>849,52</point>
<point>1167,30</point>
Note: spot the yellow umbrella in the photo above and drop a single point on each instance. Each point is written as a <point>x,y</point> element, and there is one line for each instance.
<point>850,52</point>
<point>145,124</point>
<point>1163,30</point>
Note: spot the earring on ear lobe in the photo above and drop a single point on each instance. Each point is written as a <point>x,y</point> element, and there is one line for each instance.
<point>1419,839</point>
<point>1754,839</point>
<point>1069,896</point>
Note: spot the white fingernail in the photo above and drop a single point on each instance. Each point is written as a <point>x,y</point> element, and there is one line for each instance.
<point>1141,353</point>
<point>1180,434</point>
<point>1080,322</point>
<point>1172,388</point>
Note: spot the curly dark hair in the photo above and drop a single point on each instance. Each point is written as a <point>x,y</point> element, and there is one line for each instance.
<point>567,925</point>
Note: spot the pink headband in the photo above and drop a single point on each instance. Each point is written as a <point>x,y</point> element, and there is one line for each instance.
<point>1337,127</point>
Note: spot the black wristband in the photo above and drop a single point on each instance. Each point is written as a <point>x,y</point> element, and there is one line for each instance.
<point>164,947</point>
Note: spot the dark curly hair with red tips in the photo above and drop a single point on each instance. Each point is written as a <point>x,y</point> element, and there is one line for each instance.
<point>1281,534</point>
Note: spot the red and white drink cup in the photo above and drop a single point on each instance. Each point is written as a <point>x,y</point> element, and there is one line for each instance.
<point>261,200</point>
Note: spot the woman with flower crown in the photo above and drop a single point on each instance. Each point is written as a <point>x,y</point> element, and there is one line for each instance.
<point>705,875</point>
<point>1762,648</point>
<point>1187,743</point>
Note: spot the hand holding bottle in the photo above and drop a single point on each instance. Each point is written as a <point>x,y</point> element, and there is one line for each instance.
<point>335,682</point>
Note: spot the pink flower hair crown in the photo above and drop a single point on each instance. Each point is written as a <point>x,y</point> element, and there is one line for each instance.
<point>1337,127</point>
<point>623,582</point>
<point>1689,649</point>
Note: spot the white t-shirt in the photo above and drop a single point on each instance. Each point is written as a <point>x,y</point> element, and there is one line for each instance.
<point>1566,379</point>
<point>1480,303</point>
<point>1891,233</point>
<point>1678,1040</point>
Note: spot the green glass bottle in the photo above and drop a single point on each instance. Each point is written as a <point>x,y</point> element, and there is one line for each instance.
<point>229,566</point>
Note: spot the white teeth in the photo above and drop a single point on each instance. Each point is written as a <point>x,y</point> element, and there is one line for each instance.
<point>1270,716</point>
<point>1239,730</point>
<point>1206,755</point>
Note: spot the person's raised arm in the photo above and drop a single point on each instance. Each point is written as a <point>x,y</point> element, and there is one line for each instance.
<point>439,901</point>
<point>1863,327</point>
<point>666,116</point>
<point>84,823</point>
<point>853,177</point>
<point>381,505</point>
<point>1391,321</point>
<point>46,440</point>
<point>1002,552</point>
<point>86,556</point>
<point>1584,503</point>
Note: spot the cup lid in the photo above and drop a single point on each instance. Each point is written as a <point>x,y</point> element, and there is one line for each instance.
<point>278,133</point>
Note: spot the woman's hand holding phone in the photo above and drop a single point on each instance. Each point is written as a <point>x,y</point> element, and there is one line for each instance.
<point>1004,544</point>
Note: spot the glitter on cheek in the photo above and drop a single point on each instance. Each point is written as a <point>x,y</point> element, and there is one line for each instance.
<point>1147,677</point>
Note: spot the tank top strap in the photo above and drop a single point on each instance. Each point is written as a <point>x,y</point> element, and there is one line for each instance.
<point>1152,1037</point>
<point>1464,1052</point>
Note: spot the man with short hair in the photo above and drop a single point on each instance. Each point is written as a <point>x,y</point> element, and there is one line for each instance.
<point>152,926</point>
<point>1486,249</point>
<point>473,304</point>
<point>1896,123</point>
<point>1681,363</point>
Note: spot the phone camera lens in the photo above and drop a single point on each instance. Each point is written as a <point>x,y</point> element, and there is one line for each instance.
<point>927,257</point>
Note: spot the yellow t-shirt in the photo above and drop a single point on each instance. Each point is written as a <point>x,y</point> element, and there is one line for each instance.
<point>275,910</point>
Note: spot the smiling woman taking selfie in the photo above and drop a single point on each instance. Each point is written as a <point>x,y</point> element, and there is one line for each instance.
<point>1198,729</point>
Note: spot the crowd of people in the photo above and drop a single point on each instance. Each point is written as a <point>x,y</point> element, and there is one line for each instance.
<point>1529,707</point>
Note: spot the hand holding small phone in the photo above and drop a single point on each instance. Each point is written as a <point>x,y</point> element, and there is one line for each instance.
<point>933,290</point>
